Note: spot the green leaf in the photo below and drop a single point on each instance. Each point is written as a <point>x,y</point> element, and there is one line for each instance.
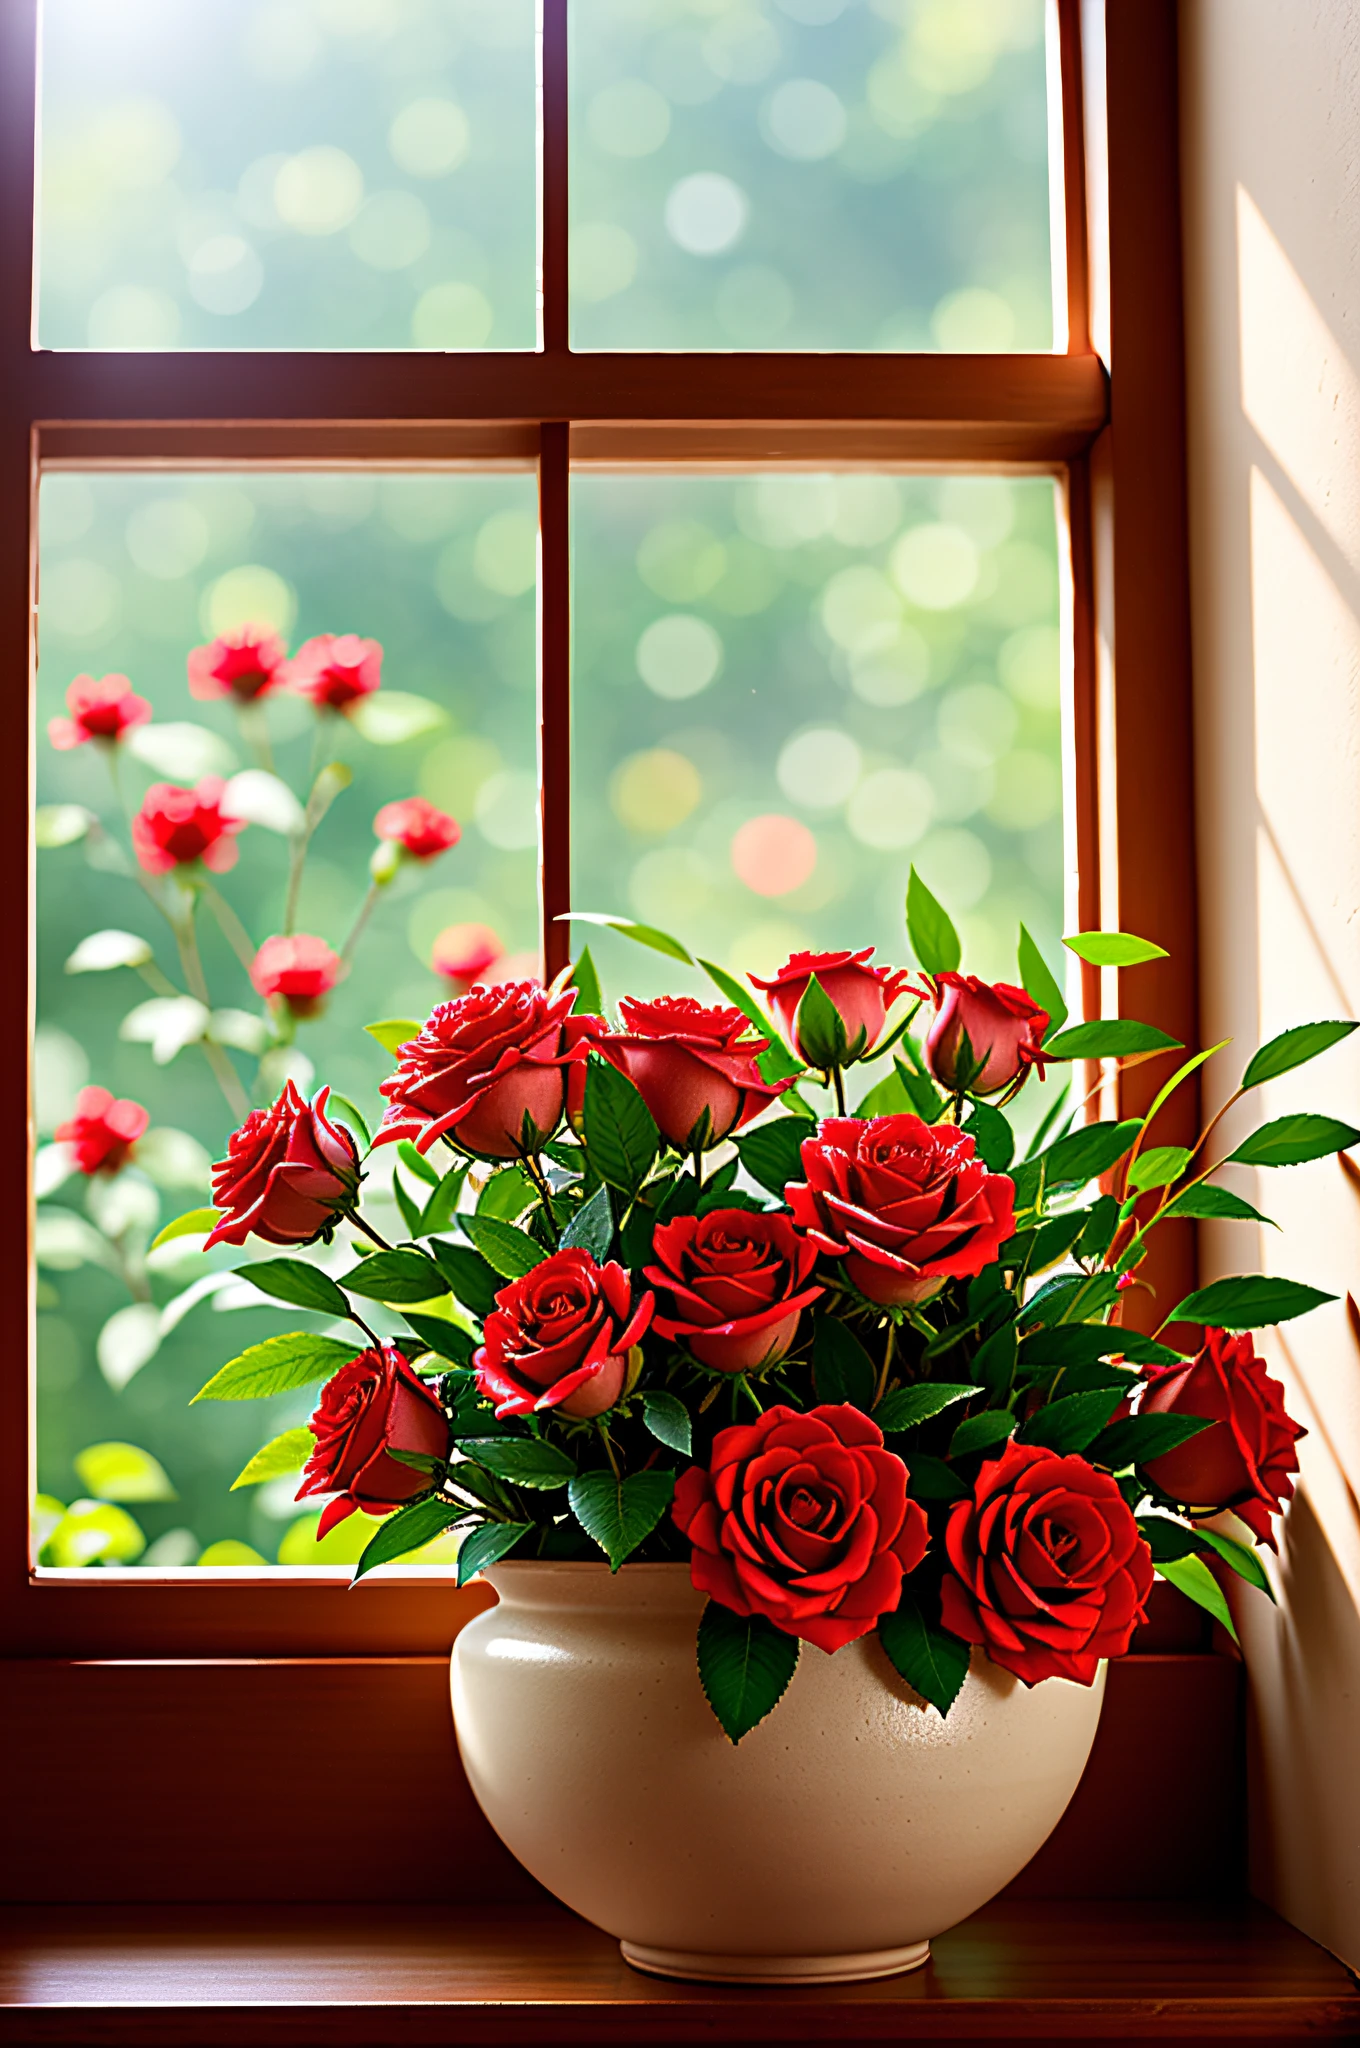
<point>1248,1301</point>
<point>194,1223</point>
<point>592,1227</point>
<point>1038,982</point>
<point>300,1285</point>
<point>667,1417</point>
<point>417,1163</point>
<point>1192,1576</point>
<point>1158,1167</point>
<point>508,1251</point>
<point>439,1210</point>
<point>1212,1203</point>
<point>745,1664</point>
<point>1073,1422</point>
<point>389,718</point>
<point>1083,1344</point>
<point>1292,1048</point>
<point>980,1432</point>
<point>589,995</point>
<point>933,937</point>
<point>341,1106</point>
<point>399,1276</point>
<point>642,934</point>
<point>931,1479</point>
<point>906,1406</point>
<point>1054,1239</point>
<point>122,1472</point>
<point>773,1153</point>
<point>933,1662</point>
<point>925,1097</point>
<point>1113,949</point>
<point>471,1280</point>
<point>994,1365</point>
<point>487,1544</point>
<point>819,1030</point>
<point>1290,1140</point>
<point>1139,1438</point>
<point>991,1133</point>
<point>277,1366</point>
<point>618,1514</point>
<point>741,999</point>
<point>409,1207</point>
<point>523,1461</point>
<point>842,1369</point>
<point>888,1097</point>
<point>1242,1559</point>
<point>1085,1154</point>
<point>1109,1038</point>
<point>280,1456</point>
<point>508,1192</point>
<point>1182,1073</point>
<point>621,1136</point>
<point>445,1338</point>
<point>392,1033</point>
<point>406,1530</point>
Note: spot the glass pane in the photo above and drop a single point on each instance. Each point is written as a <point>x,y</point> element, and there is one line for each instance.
<point>848,174</point>
<point>437,570</point>
<point>789,689</point>
<point>318,174</point>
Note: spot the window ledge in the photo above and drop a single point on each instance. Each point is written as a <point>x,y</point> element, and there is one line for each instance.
<point>1055,1971</point>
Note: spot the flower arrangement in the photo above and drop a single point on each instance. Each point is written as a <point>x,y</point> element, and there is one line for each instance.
<point>861,1370</point>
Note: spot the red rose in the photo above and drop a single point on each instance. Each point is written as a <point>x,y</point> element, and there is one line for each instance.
<point>1245,1460</point>
<point>374,1405</point>
<point>862,996</point>
<point>1004,1031</point>
<point>478,1068</point>
<point>417,827</point>
<point>803,1519</point>
<point>245,665</point>
<point>686,1059</point>
<point>335,670</point>
<point>559,1337</point>
<point>1052,1572</point>
<point>907,1205</point>
<point>102,710</point>
<point>289,1174</point>
<point>300,969</point>
<point>102,1132</point>
<point>737,1279</point>
<point>464,953</point>
<point>175,827</point>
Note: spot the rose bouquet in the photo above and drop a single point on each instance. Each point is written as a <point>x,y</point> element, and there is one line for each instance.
<point>667,1297</point>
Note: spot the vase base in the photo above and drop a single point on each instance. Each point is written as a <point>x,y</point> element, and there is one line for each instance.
<point>710,1969</point>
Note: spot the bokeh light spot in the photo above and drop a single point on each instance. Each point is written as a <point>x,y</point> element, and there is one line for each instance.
<point>819,768</point>
<point>167,537</point>
<point>978,723</point>
<point>803,119</point>
<point>706,213</point>
<point>679,656</point>
<point>318,191</point>
<point>603,260</point>
<point>681,560</point>
<point>773,854</point>
<point>390,231</point>
<point>860,609</point>
<point>80,600</point>
<point>973,322</point>
<point>505,553</point>
<point>654,791</point>
<point>892,672</point>
<point>130,316</point>
<point>429,138</point>
<point>890,809</point>
<point>936,566</point>
<point>451,316</point>
<point>1029,664</point>
<point>225,275</point>
<point>249,596</point>
<point>506,810</point>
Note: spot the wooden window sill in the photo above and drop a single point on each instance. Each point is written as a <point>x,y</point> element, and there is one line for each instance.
<point>349,1975</point>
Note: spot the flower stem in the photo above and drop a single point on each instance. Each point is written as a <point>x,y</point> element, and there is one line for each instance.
<point>255,732</point>
<point>886,1367</point>
<point>235,933</point>
<point>608,1448</point>
<point>838,1083</point>
<point>750,1393</point>
<point>356,930</point>
<point>191,961</point>
<point>532,1166</point>
<point>353,1216</point>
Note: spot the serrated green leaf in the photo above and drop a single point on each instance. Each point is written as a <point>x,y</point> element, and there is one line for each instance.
<point>193,1223</point>
<point>642,934</point>
<point>277,1366</point>
<point>980,1432</point>
<point>1074,1421</point>
<point>523,1461</point>
<point>842,1369</point>
<point>745,1664</point>
<point>300,1285</point>
<point>1292,1048</point>
<point>667,1417</point>
<point>1248,1301</point>
<point>1292,1140</point>
<point>1084,1154</point>
<point>1113,949</point>
<point>1182,1073</point>
<point>621,1136</point>
<point>930,929</point>
<point>392,1033</point>
<point>1212,1203</point>
<point>1138,1438</point>
<point>906,1406</point>
<point>280,1456</point>
<point>773,1153</point>
<point>400,1276</point>
<point>471,1280</point>
<point>933,1662</point>
<point>618,1514</point>
<point>1192,1576</point>
<point>487,1544</point>
<point>508,1251</point>
<point>589,996</point>
<point>406,1530</point>
<point>1039,983</point>
<point>1109,1038</point>
<point>592,1227</point>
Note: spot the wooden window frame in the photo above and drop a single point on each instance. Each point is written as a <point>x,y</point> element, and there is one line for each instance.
<point>1103,414</point>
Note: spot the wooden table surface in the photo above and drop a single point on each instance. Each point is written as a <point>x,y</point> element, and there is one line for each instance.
<point>350,1975</point>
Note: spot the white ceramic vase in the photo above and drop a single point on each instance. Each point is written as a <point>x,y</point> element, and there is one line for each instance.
<point>830,1844</point>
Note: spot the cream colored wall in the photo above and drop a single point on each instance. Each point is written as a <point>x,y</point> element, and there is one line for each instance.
<point>1270,124</point>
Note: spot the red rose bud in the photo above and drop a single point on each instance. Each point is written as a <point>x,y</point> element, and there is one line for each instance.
<point>907,1205</point>
<point>1245,1460</point>
<point>335,670</point>
<point>102,1133</point>
<point>860,995</point>
<point>1052,1572</point>
<point>465,953</point>
<point>299,970</point>
<point>245,665</point>
<point>561,1337</point>
<point>803,1519</point>
<point>176,827</point>
<point>485,1071</point>
<point>417,827</point>
<point>694,1067</point>
<point>738,1283</point>
<point>374,1405</point>
<point>986,1036</point>
<point>288,1177</point>
<point>100,710</point>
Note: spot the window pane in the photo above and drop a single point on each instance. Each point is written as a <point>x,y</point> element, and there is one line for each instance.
<point>788,689</point>
<point>439,570</point>
<point>849,174</point>
<point>321,174</point>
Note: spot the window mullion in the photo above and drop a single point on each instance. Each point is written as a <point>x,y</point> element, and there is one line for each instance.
<point>553,177</point>
<point>554,692</point>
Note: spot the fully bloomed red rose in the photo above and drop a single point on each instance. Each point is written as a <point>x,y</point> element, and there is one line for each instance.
<point>245,665</point>
<point>478,1067</point>
<point>861,995</point>
<point>689,1061</point>
<point>560,1337</point>
<point>1245,1461</point>
<point>176,827</point>
<point>907,1205</point>
<point>738,1284</point>
<point>335,670</point>
<point>803,1519</point>
<point>1052,1574</point>
<point>299,969</point>
<point>100,710</point>
<point>102,1132</point>
<point>417,827</point>
<point>373,1406</point>
<point>289,1174</point>
<point>1003,1030</point>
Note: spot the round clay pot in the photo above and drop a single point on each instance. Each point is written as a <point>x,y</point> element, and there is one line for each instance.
<point>830,1844</point>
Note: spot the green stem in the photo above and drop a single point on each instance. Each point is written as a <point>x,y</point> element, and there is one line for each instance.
<point>750,1393</point>
<point>608,1448</point>
<point>533,1167</point>
<point>235,933</point>
<point>353,1216</point>
<point>886,1367</point>
<point>254,726</point>
<point>356,930</point>
<point>190,960</point>
<point>838,1083</point>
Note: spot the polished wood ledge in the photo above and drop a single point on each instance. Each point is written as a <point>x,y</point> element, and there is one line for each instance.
<point>370,1975</point>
